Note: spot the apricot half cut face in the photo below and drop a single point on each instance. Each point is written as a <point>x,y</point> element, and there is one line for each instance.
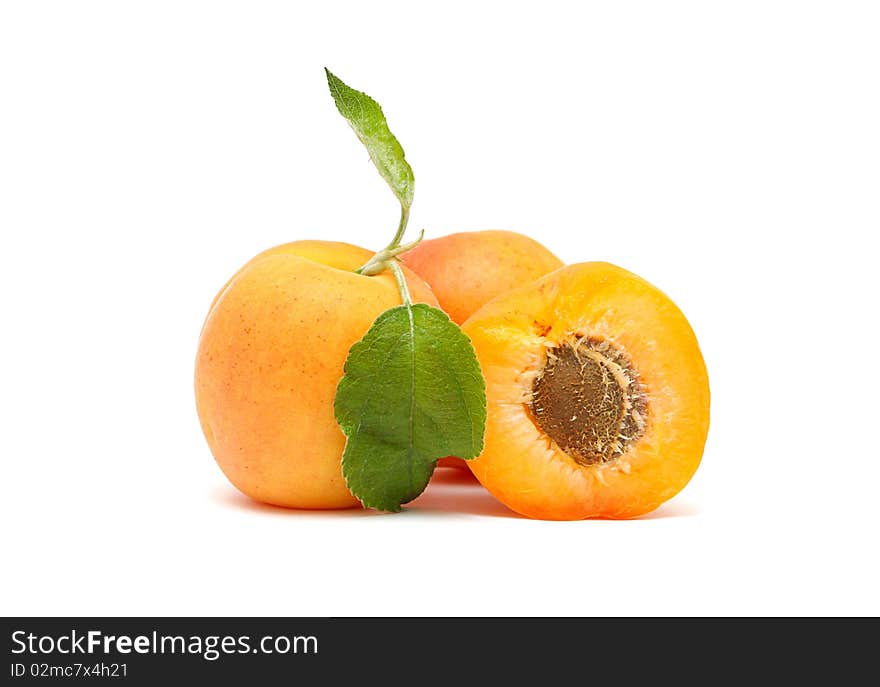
<point>598,395</point>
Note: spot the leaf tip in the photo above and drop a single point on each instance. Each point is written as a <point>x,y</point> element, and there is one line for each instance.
<point>332,81</point>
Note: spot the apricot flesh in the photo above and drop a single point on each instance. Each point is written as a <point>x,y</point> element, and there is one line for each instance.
<point>467,269</point>
<point>270,355</point>
<point>638,340</point>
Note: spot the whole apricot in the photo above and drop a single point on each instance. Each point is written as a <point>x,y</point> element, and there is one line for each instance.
<point>270,356</point>
<point>467,269</point>
<point>598,396</point>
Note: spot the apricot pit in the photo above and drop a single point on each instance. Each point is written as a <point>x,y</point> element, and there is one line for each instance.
<point>588,399</point>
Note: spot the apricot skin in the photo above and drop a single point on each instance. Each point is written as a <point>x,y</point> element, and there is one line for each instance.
<point>270,355</point>
<point>520,464</point>
<point>467,269</point>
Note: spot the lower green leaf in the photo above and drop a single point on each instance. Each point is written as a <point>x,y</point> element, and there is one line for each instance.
<point>412,392</point>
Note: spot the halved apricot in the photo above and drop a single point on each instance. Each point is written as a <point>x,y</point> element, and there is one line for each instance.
<point>598,395</point>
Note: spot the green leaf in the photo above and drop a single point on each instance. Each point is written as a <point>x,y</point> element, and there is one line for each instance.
<point>412,392</point>
<point>366,118</point>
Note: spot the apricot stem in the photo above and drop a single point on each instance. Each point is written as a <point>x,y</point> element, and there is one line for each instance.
<point>387,257</point>
<point>379,262</point>
<point>401,227</point>
<point>401,281</point>
<point>376,264</point>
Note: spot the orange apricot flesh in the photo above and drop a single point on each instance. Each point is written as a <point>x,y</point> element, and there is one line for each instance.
<point>598,396</point>
<point>270,355</point>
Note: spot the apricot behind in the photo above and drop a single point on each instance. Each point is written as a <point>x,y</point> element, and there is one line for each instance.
<point>270,356</point>
<point>467,269</point>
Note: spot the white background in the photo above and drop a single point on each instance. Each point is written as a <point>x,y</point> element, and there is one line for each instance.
<point>727,152</point>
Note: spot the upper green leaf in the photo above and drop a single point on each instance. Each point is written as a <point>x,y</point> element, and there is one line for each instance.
<point>368,122</point>
<point>412,392</point>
